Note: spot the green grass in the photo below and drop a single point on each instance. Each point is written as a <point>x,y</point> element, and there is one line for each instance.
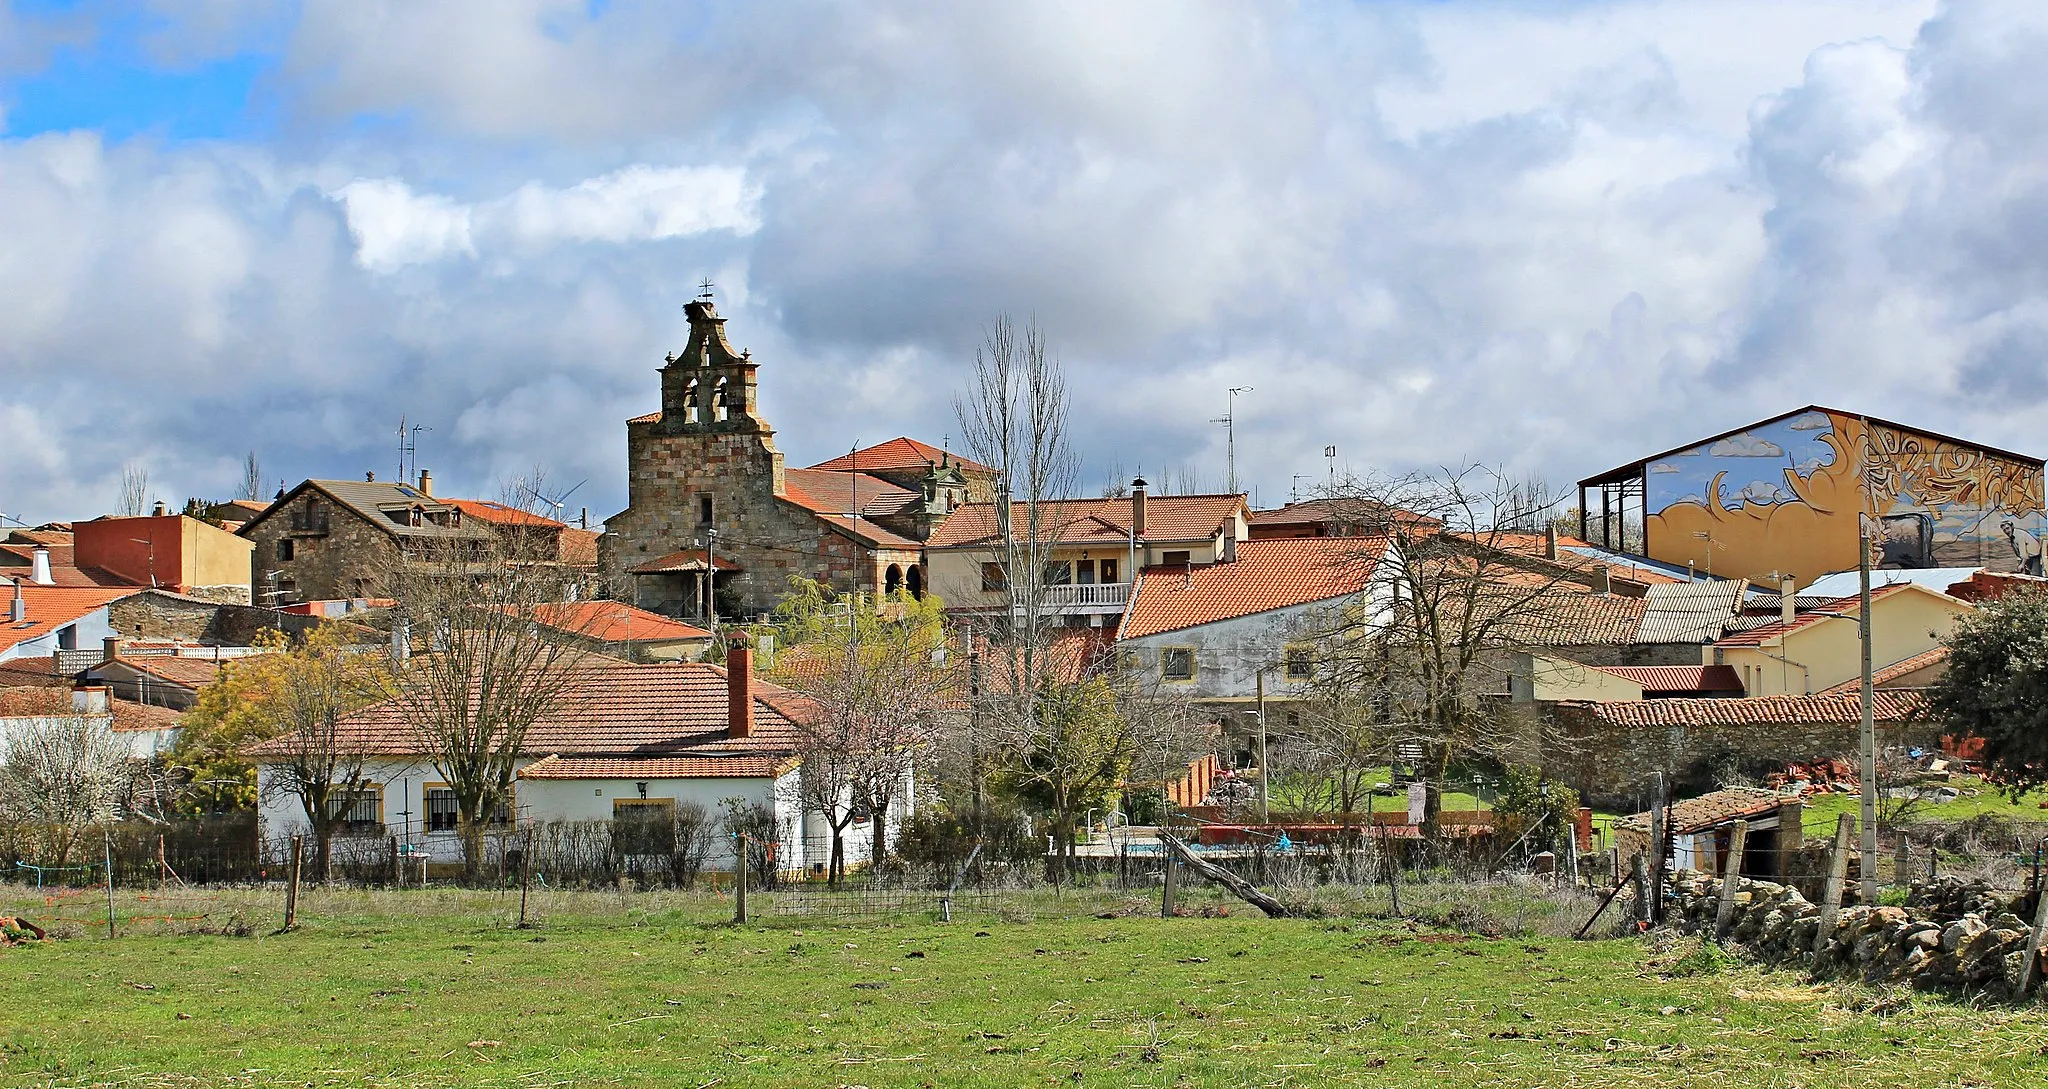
<point>1977,798</point>
<point>605,993</point>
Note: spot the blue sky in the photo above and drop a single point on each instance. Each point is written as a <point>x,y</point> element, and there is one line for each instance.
<point>1548,237</point>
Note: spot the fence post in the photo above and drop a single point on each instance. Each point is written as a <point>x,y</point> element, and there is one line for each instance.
<point>1640,874</point>
<point>107,841</point>
<point>525,875</point>
<point>1731,872</point>
<point>1660,843</point>
<point>397,866</point>
<point>1902,860</point>
<point>739,914</point>
<point>1171,877</point>
<point>2039,932</point>
<point>291,891</point>
<point>1838,875</point>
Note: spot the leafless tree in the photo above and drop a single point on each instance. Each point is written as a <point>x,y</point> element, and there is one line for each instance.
<point>252,478</point>
<point>1423,669</point>
<point>62,774</point>
<point>480,667</point>
<point>312,761</point>
<point>134,490</point>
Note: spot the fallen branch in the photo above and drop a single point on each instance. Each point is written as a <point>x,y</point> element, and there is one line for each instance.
<point>1238,886</point>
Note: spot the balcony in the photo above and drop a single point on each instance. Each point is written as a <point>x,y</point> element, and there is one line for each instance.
<point>1086,597</point>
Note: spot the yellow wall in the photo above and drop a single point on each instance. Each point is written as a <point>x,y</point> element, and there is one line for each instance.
<point>1904,623</point>
<point>956,573</point>
<point>212,556</point>
<point>1563,679</point>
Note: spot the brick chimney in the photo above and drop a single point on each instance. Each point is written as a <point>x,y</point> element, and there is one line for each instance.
<point>427,483</point>
<point>739,688</point>
<point>40,573</point>
<point>1138,506</point>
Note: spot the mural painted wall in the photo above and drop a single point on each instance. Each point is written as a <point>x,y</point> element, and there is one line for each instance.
<point>1785,498</point>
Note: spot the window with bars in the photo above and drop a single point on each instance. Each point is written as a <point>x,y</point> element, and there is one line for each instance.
<point>1301,662</point>
<point>360,810</point>
<point>1177,663</point>
<point>443,814</point>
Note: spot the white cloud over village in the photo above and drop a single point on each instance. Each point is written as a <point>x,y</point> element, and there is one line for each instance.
<point>1642,223</point>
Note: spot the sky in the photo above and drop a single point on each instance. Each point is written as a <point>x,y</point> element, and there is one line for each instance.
<point>1551,237</point>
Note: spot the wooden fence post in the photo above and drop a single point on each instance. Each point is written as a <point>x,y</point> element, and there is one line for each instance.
<point>1171,878</point>
<point>739,914</point>
<point>525,875</point>
<point>107,841</point>
<point>2039,932</point>
<point>397,866</point>
<point>1640,874</point>
<point>1838,875</point>
<point>1731,872</point>
<point>291,891</point>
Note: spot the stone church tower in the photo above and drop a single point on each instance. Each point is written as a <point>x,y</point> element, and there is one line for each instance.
<point>706,487</point>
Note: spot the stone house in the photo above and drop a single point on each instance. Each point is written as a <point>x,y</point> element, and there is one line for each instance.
<point>707,491</point>
<point>333,539</point>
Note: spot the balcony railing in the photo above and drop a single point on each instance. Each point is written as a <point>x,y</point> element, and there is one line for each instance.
<point>1108,595</point>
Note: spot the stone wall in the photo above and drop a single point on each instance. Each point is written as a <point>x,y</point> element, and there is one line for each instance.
<point>155,615</point>
<point>347,560</point>
<point>1949,936</point>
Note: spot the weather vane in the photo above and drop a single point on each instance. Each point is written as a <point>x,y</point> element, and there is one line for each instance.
<point>704,289</point>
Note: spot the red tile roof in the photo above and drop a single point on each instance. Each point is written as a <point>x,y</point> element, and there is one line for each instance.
<point>652,417</point>
<point>1701,678</point>
<point>673,709</point>
<point>17,560</point>
<point>1362,512</point>
<point>498,514</point>
<point>736,766</point>
<point>1168,519</point>
<point>193,673</point>
<point>1267,575</point>
<point>616,622</point>
<point>1889,705</point>
<point>1714,809</point>
<point>836,493</point>
<point>900,453</point>
<point>52,607</point>
<point>38,670</point>
<point>1879,677</point>
<point>1839,607</point>
<point>689,559</point>
<point>130,716</point>
<point>1537,546</point>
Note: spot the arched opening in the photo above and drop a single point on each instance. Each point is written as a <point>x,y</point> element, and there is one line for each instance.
<point>721,403</point>
<point>914,578</point>
<point>690,402</point>
<point>892,580</point>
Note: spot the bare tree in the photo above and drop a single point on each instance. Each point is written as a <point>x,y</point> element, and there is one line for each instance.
<point>1424,671</point>
<point>480,667</point>
<point>252,478</point>
<point>134,490</point>
<point>310,689</point>
<point>62,774</point>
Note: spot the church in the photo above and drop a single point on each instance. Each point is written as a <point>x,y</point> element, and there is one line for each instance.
<point>707,491</point>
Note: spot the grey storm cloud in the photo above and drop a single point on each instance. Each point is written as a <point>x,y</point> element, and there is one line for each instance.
<point>1640,224</point>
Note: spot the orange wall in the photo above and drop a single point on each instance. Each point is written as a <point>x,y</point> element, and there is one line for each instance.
<point>112,543</point>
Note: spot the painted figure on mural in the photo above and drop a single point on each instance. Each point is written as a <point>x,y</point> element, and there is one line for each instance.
<point>2024,545</point>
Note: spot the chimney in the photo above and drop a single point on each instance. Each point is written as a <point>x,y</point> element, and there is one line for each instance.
<point>1138,506</point>
<point>1600,582</point>
<point>1550,542</point>
<point>369,476</point>
<point>18,610</point>
<point>427,483</point>
<point>111,647</point>
<point>158,511</point>
<point>1788,601</point>
<point>89,700</point>
<point>40,573</point>
<point>739,688</point>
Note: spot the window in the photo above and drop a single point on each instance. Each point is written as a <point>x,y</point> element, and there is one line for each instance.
<point>1177,664</point>
<point>284,549</point>
<point>1107,570</point>
<point>360,810</point>
<point>1176,559</point>
<point>704,510</point>
<point>1084,572</point>
<point>1301,662</point>
<point>644,826</point>
<point>67,637</point>
<point>994,580</point>
<point>443,815</point>
<point>1059,573</point>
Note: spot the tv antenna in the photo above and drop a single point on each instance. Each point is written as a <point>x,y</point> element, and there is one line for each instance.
<point>1330,456</point>
<point>1229,422</point>
<point>408,446</point>
<point>557,501</point>
<point>704,289</point>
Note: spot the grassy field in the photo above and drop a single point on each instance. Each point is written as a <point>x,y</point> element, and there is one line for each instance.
<point>660,994</point>
<point>1977,798</point>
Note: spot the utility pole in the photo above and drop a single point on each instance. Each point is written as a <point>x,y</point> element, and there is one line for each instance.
<point>1229,422</point>
<point>1869,733</point>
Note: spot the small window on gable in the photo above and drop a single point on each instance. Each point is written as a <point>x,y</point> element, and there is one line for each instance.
<point>1177,664</point>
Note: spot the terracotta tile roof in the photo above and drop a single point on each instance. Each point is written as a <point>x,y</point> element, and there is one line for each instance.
<point>873,535</point>
<point>1066,656</point>
<point>1715,808</point>
<point>38,670</point>
<point>672,709</point>
<point>1359,512</point>
<point>1777,629</point>
<point>130,716</point>
<point>1168,519</point>
<point>193,673</point>
<point>579,546</point>
<point>689,559</point>
<point>41,536</point>
<point>615,622</point>
<point>18,561</point>
<point>37,700</point>
<point>900,453</point>
<point>836,492</point>
<point>369,500</point>
<point>652,417</point>
<point>498,514</point>
<point>737,766</point>
<point>1880,677</point>
<point>1700,678</point>
<point>1577,555</point>
<point>1532,609</point>
<point>1267,575</point>
<point>52,607</point>
<point>1830,708</point>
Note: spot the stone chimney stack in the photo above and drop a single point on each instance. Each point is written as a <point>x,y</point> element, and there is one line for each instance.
<point>739,688</point>
<point>40,573</point>
<point>427,483</point>
<point>1602,583</point>
<point>17,611</point>
<point>1550,542</point>
<point>110,647</point>
<point>1138,506</point>
<point>1788,601</point>
<point>158,511</point>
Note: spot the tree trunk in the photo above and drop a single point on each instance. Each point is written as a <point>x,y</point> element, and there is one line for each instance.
<point>879,849</point>
<point>323,852</point>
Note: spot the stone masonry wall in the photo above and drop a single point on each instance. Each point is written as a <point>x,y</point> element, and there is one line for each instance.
<point>345,562</point>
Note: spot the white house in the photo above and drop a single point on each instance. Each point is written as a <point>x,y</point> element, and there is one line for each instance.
<point>38,620</point>
<point>635,742</point>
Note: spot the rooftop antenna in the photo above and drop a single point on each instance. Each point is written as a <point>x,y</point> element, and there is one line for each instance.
<point>1294,491</point>
<point>1330,456</point>
<point>408,445</point>
<point>558,501</point>
<point>1229,422</point>
<point>704,289</point>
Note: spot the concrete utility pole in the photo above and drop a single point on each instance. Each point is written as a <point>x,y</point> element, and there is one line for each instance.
<point>1869,733</point>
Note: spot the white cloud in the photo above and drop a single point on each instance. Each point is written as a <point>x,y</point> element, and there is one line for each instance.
<point>1761,491</point>
<point>1746,446</point>
<point>1663,467</point>
<point>395,227</point>
<point>1812,421</point>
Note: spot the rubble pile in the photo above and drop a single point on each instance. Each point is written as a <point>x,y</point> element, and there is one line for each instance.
<point>1953,935</point>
